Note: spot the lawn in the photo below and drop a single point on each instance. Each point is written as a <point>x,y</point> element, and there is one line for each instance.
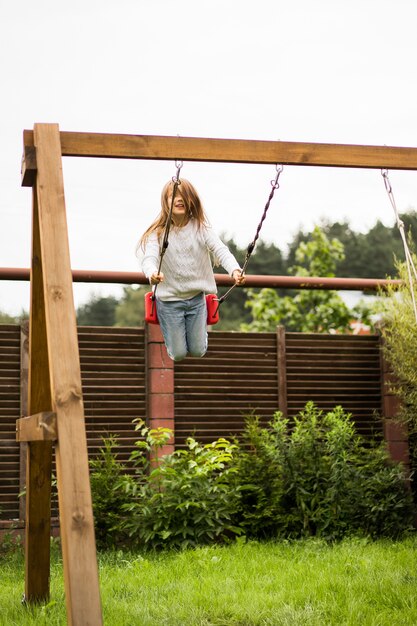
<point>285,583</point>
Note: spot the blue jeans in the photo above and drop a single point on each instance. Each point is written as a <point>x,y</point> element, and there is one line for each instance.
<point>184,326</point>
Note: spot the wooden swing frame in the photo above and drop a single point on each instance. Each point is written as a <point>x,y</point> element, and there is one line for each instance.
<point>55,401</point>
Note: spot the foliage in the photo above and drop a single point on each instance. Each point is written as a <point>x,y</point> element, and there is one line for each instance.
<point>99,311</point>
<point>187,500</point>
<point>266,259</point>
<point>399,331</point>
<point>130,310</point>
<point>10,542</point>
<point>260,477</point>
<point>307,310</point>
<point>108,496</point>
<point>367,255</point>
<point>5,318</point>
<point>319,479</point>
<point>316,478</point>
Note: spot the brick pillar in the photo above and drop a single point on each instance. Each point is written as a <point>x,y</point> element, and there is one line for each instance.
<point>159,385</point>
<point>395,432</point>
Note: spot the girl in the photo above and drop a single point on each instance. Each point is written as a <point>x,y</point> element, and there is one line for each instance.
<point>186,273</point>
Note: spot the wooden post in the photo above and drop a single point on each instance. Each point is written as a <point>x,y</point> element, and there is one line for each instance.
<point>61,361</point>
<point>282,371</point>
<point>39,454</point>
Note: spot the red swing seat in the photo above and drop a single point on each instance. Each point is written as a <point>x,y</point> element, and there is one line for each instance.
<point>151,316</point>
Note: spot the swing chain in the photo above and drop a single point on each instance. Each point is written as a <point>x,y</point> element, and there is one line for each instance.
<point>388,187</point>
<point>177,182</point>
<point>176,178</point>
<point>275,185</point>
<point>411,270</point>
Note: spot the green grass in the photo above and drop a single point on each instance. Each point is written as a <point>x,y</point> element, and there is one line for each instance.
<point>301,583</point>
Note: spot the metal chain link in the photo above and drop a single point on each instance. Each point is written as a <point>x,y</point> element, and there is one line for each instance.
<point>400,224</point>
<point>177,182</point>
<point>251,246</point>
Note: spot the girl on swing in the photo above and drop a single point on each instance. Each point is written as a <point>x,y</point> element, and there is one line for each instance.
<point>186,273</point>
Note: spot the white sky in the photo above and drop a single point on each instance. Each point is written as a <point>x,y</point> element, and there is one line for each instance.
<point>324,71</point>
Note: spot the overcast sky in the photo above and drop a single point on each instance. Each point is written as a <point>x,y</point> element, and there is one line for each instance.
<point>324,71</point>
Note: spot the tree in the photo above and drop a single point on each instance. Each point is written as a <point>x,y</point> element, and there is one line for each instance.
<point>266,259</point>
<point>5,318</point>
<point>307,310</point>
<point>367,255</point>
<point>98,311</point>
<point>130,311</point>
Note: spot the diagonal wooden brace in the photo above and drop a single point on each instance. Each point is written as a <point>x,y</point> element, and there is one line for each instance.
<point>38,427</point>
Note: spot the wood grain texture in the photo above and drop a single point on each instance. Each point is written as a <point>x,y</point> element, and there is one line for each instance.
<point>28,166</point>
<point>39,454</point>
<point>38,427</point>
<point>74,494</point>
<point>230,150</point>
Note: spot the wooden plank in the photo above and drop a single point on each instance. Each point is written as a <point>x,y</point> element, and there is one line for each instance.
<point>38,427</point>
<point>28,167</point>
<point>74,494</point>
<point>39,454</point>
<point>282,370</point>
<point>100,332</point>
<point>231,150</point>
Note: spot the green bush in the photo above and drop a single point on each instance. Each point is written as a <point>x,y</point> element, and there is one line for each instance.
<point>187,500</point>
<point>399,330</point>
<point>108,496</point>
<point>319,479</point>
<point>260,463</point>
<point>384,505</point>
<point>315,478</point>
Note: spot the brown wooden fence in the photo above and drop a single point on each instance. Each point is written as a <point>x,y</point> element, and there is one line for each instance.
<point>336,370</point>
<point>241,373</point>
<point>9,412</point>
<point>236,377</point>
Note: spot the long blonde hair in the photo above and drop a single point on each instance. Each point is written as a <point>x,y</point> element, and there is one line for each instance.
<point>193,205</point>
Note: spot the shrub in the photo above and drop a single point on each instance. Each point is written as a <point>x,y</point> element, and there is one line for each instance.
<point>315,478</point>
<point>399,330</point>
<point>187,500</point>
<point>260,464</point>
<point>107,494</point>
<point>319,479</point>
<point>382,505</point>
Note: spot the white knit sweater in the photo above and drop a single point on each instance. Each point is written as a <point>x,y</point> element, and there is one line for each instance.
<point>186,265</point>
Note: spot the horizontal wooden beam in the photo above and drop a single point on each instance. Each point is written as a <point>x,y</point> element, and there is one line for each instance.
<point>38,427</point>
<point>155,147</point>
